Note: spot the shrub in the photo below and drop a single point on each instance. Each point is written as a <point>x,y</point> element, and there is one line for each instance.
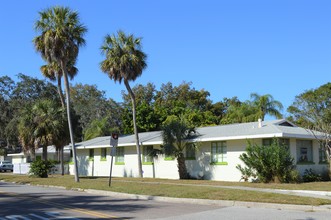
<point>311,176</point>
<point>268,163</point>
<point>40,168</point>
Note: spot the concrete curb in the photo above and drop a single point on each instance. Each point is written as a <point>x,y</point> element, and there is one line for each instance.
<point>226,203</point>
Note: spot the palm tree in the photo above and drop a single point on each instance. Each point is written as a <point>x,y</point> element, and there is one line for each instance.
<point>61,35</point>
<point>125,61</point>
<point>26,130</point>
<point>48,123</point>
<point>266,105</point>
<point>53,72</point>
<point>176,135</point>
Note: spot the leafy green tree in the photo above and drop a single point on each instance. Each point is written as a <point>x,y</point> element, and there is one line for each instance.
<point>61,35</point>
<point>90,104</point>
<point>312,106</point>
<point>99,127</point>
<point>177,134</point>
<point>125,61</point>
<point>25,92</point>
<point>266,105</point>
<point>268,163</point>
<point>240,112</point>
<point>146,117</point>
<point>6,113</point>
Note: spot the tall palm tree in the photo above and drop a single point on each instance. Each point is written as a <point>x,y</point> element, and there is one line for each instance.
<point>266,105</point>
<point>125,61</point>
<point>61,35</point>
<point>176,134</point>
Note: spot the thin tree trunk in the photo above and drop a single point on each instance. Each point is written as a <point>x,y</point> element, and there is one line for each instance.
<point>133,100</point>
<point>59,90</point>
<point>182,167</point>
<point>62,160</point>
<point>33,153</point>
<point>66,82</point>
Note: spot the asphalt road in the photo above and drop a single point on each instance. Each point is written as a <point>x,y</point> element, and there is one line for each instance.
<point>31,202</point>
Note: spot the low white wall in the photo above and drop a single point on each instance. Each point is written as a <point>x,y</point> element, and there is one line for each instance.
<point>24,168</point>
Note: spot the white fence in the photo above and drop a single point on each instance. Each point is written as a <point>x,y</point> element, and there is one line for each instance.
<point>24,168</point>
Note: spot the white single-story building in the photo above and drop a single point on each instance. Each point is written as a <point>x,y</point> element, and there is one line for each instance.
<point>21,161</point>
<point>215,158</point>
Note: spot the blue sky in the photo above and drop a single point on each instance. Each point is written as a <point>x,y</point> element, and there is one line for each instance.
<point>229,48</point>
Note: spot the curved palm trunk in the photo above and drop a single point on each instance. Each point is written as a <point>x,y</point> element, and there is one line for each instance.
<point>182,167</point>
<point>59,90</point>
<point>66,82</point>
<point>133,100</point>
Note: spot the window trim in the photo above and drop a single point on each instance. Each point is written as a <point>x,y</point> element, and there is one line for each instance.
<point>117,156</point>
<point>310,158</point>
<point>190,147</point>
<point>221,145</point>
<point>103,154</point>
<point>147,150</point>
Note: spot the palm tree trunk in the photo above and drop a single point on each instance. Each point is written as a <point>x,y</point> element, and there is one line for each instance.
<point>59,90</point>
<point>66,82</point>
<point>45,152</point>
<point>133,100</point>
<point>182,167</point>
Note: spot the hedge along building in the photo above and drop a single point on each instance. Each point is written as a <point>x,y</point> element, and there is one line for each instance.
<point>215,158</point>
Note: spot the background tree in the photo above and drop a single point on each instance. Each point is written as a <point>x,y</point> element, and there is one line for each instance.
<point>98,128</point>
<point>146,116</point>
<point>177,134</point>
<point>240,112</point>
<point>61,35</point>
<point>6,113</point>
<point>91,105</point>
<point>26,91</point>
<point>266,105</point>
<point>125,61</point>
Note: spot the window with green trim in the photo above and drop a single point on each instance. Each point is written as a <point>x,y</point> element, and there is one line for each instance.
<point>147,154</point>
<point>91,154</point>
<point>103,154</point>
<point>190,152</point>
<point>304,151</point>
<point>219,153</point>
<point>119,159</point>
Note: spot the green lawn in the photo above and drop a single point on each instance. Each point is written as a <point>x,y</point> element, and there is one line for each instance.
<point>186,189</point>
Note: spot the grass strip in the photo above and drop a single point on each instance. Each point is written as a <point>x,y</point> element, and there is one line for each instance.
<point>168,188</point>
